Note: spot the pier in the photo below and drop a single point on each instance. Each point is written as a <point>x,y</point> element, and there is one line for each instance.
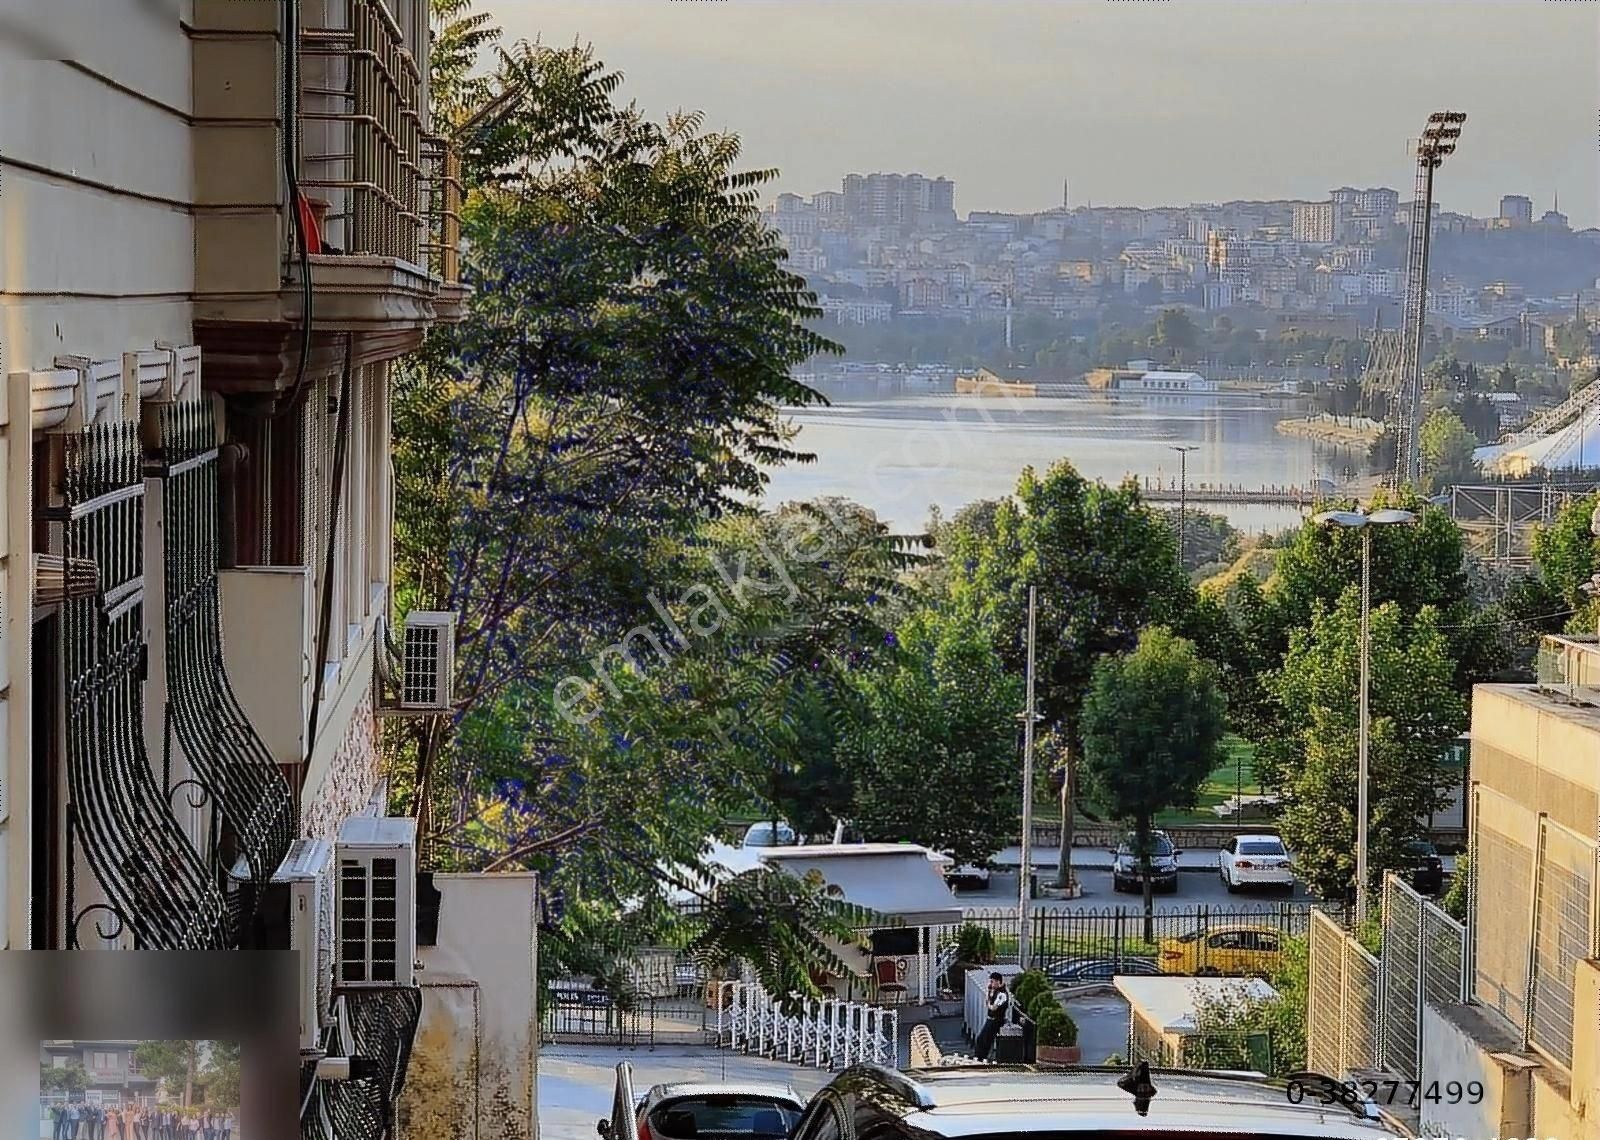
<point>1275,495</point>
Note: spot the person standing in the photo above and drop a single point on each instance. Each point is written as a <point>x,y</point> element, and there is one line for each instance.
<point>227,1125</point>
<point>998,1008</point>
<point>58,1119</point>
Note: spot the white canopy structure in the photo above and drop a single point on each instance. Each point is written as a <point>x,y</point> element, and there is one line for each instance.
<point>1574,447</point>
<point>897,880</point>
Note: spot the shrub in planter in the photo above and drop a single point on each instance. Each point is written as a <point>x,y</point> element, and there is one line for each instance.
<point>1028,986</point>
<point>1040,1004</point>
<point>974,948</point>
<point>1056,1035</point>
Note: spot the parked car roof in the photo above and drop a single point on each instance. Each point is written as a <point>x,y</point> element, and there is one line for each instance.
<point>1253,837</point>
<point>727,1088</point>
<point>994,1100</point>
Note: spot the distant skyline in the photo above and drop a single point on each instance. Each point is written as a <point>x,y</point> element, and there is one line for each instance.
<point>1140,104</point>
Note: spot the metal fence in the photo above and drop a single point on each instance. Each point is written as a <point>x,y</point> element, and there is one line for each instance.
<point>1342,1001</point>
<point>1116,933</point>
<point>1543,918</point>
<point>1424,952</point>
<point>826,1034</point>
<point>656,995</point>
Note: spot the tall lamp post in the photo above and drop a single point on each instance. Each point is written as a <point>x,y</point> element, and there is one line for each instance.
<point>1183,451</point>
<point>1360,520</point>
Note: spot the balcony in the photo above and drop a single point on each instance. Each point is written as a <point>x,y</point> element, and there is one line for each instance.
<point>369,244</point>
<point>1569,668</point>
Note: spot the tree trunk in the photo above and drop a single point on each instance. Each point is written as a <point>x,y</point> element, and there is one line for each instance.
<point>1065,876</point>
<point>188,1076</point>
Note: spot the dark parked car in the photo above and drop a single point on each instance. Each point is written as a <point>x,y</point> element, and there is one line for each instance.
<point>1127,871</point>
<point>1423,868</point>
<point>1007,1102</point>
<point>1087,971</point>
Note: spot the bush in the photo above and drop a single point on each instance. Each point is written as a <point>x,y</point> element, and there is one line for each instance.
<point>1040,1004</point>
<point>975,944</point>
<point>1056,1027</point>
<point>1027,985</point>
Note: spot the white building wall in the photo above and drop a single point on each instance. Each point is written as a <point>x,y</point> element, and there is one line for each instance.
<point>96,259</point>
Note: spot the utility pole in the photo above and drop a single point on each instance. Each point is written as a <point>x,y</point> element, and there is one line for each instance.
<point>1026,865</point>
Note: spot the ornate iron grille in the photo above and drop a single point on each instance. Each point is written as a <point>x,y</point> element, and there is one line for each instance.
<point>255,816</point>
<point>155,883</point>
<point>383,1025</point>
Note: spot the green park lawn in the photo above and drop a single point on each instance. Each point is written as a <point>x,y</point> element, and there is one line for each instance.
<point>1235,775</point>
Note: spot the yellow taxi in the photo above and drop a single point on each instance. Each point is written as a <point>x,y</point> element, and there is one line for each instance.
<point>1236,949</point>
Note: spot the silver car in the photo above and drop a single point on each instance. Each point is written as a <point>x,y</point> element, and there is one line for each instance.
<point>733,1111</point>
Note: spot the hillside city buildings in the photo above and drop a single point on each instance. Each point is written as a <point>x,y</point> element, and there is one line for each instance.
<point>891,246</point>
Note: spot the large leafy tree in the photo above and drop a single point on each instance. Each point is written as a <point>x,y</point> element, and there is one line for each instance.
<point>1412,566</point>
<point>1153,722</point>
<point>1447,446</point>
<point>1415,711</point>
<point>934,760</point>
<point>1105,565</point>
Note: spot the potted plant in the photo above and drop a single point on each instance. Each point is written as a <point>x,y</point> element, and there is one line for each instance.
<point>1056,1037</point>
<point>974,948</point>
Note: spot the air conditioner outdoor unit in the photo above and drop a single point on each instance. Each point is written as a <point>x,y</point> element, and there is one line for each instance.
<point>306,875</point>
<point>428,661</point>
<point>377,904</point>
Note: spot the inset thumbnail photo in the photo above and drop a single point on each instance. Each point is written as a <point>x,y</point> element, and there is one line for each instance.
<point>139,1090</point>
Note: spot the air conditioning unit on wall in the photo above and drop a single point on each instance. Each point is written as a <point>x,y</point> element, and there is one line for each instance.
<point>428,661</point>
<point>375,895</point>
<point>306,879</point>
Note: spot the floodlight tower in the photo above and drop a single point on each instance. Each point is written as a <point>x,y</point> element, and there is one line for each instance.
<point>1438,140</point>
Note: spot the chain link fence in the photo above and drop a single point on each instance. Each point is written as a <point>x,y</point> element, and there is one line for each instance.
<point>1423,954</point>
<point>1342,1002</point>
<point>1563,910</point>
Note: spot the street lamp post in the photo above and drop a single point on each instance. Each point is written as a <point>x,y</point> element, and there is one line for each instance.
<point>1183,451</point>
<point>1360,520</point>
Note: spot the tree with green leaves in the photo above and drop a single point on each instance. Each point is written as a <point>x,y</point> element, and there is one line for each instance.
<point>1105,565</point>
<point>221,1074</point>
<point>934,759</point>
<point>1228,1026</point>
<point>67,1078</point>
<point>174,1063</point>
<point>1416,711</point>
<point>1566,555</point>
<point>1413,566</point>
<point>1153,722</point>
<point>1447,445</point>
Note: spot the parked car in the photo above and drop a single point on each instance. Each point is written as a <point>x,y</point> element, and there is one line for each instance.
<point>1255,861</point>
<point>767,834</point>
<point>1127,873</point>
<point>719,1111</point>
<point>968,876</point>
<point>1423,868</point>
<point>1085,971</point>
<point>1235,949</point>
<point>1002,1102</point>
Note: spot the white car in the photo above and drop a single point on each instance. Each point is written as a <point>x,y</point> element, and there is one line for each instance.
<point>1255,861</point>
<point>768,834</point>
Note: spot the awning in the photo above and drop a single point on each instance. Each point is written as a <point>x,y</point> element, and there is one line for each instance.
<point>899,881</point>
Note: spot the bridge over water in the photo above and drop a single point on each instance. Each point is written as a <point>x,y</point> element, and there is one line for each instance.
<point>1274,495</point>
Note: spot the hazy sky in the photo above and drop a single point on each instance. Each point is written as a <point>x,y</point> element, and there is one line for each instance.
<point>1139,103</point>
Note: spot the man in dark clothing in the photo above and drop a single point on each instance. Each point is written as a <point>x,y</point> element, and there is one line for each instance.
<point>998,1007</point>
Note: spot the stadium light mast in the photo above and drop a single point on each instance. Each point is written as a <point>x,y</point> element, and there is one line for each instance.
<point>1438,141</point>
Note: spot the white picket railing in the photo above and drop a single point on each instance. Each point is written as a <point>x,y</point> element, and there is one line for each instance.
<point>827,1033</point>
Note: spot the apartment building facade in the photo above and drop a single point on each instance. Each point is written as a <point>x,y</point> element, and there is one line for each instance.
<point>223,226</point>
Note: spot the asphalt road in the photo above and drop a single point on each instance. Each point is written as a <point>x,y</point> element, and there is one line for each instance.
<point>1195,888</point>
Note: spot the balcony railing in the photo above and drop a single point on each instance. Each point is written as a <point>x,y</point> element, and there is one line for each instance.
<point>1569,668</point>
<point>442,181</point>
<point>361,112</point>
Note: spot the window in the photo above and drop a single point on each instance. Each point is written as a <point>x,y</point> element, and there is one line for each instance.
<point>1267,941</point>
<point>1227,940</point>
<point>1261,847</point>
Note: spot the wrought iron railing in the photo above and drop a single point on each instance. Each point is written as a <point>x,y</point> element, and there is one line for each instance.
<point>383,1026</point>
<point>369,91</point>
<point>254,816</point>
<point>156,886</point>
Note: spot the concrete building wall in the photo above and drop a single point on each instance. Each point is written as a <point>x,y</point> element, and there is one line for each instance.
<point>479,1014</point>
<point>96,259</point>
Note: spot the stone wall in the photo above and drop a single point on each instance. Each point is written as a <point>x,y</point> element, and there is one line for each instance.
<point>351,777</point>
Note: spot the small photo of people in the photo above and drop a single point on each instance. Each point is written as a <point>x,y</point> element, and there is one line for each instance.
<point>139,1090</point>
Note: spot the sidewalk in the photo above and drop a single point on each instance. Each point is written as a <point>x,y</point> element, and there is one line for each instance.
<point>1100,859</point>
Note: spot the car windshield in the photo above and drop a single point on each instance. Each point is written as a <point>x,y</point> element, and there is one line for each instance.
<point>1261,847</point>
<point>722,1116</point>
<point>1159,847</point>
<point>763,835</point>
<point>1421,849</point>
